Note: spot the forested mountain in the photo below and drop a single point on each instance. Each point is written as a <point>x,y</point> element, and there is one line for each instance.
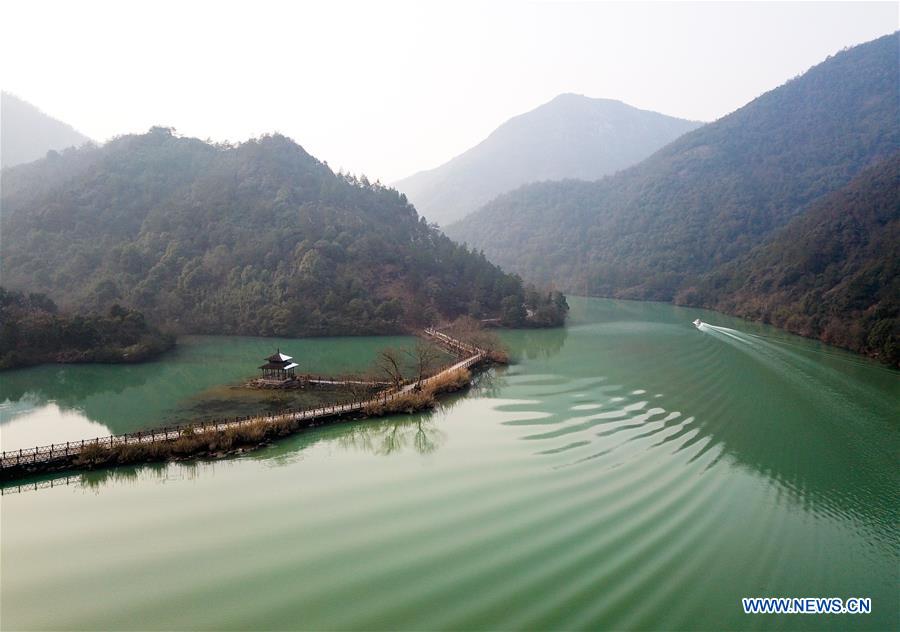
<point>27,134</point>
<point>832,273</point>
<point>572,136</point>
<point>709,196</point>
<point>259,238</point>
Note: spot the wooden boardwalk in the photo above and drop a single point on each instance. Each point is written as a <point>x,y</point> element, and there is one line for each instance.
<point>327,382</point>
<point>15,460</point>
<point>314,380</point>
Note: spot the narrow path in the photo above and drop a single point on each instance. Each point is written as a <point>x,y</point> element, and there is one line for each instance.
<point>322,382</point>
<point>15,459</point>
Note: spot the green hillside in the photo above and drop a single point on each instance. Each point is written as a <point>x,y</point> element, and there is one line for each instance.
<point>258,238</point>
<point>833,273</point>
<point>710,196</point>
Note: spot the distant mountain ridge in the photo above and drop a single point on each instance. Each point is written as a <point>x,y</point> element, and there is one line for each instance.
<point>709,196</point>
<point>784,211</point>
<point>572,136</point>
<point>259,238</point>
<point>27,134</point>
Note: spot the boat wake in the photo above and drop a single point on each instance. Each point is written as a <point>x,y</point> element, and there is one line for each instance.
<point>817,369</point>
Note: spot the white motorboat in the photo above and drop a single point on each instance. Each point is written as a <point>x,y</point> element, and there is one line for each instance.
<point>697,323</point>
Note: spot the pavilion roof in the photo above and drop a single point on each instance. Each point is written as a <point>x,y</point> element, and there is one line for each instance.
<point>279,365</point>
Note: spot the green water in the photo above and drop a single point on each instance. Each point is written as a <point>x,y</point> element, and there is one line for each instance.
<point>629,471</point>
<point>201,379</point>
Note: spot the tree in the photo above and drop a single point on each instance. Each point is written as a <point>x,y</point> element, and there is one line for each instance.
<point>471,331</point>
<point>513,312</point>
<point>33,331</point>
<point>424,358</point>
<point>389,363</point>
<point>117,311</point>
<point>258,238</point>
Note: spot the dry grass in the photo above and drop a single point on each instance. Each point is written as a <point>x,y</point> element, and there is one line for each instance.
<point>189,443</point>
<point>449,382</point>
<point>192,442</point>
<point>410,402</point>
<point>414,401</point>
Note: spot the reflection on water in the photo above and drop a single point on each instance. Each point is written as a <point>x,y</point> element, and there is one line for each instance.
<point>95,481</point>
<point>192,380</point>
<point>393,435</point>
<point>69,385</point>
<point>419,433</point>
<point>533,344</point>
<point>631,472</point>
<point>32,425</point>
<point>819,427</point>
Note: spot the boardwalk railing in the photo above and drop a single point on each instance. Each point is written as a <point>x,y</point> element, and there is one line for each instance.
<point>457,346</point>
<point>35,485</point>
<point>42,454</point>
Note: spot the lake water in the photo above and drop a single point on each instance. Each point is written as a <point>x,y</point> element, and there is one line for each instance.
<point>629,471</point>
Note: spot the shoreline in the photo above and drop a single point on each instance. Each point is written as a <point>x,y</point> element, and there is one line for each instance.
<point>756,321</point>
<point>96,356</point>
<point>222,438</point>
<point>212,445</point>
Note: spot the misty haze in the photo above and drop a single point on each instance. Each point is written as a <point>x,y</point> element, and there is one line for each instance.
<point>449,316</point>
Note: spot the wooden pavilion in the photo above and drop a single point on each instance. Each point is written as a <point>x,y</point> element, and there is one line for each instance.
<point>278,366</point>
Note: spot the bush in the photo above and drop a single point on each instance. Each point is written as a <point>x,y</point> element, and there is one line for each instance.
<point>449,382</point>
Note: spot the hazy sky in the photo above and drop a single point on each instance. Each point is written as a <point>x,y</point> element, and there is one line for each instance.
<point>389,88</point>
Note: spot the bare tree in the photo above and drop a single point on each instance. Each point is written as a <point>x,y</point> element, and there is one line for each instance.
<point>390,364</point>
<point>423,359</point>
<point>393,436</point>
<point>358,387</point>
<point>470,330</point>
